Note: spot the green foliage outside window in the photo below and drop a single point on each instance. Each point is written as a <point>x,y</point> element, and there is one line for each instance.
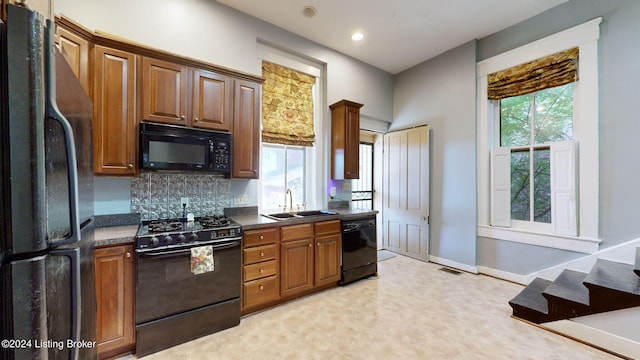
<point>528,124</point>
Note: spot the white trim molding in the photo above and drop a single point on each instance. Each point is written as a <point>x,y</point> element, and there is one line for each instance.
<point>454,264</point>
<point>586,125</point>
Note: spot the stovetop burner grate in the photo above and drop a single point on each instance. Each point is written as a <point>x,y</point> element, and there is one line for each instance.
<point>210,222</point>
<point>164,226</point>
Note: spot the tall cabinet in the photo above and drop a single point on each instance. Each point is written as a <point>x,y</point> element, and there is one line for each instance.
<point>246,129</point>
<point>345,140</point>
<point>114,116</point>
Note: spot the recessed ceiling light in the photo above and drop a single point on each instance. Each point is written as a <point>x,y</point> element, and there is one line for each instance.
<point>309,11</point>
<point>357,36</point>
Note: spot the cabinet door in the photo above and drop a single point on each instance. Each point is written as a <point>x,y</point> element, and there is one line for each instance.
<point>115,298</point>
<point>246,130</point>
<point>164,92</point>
<point>327,259</point>
<point>352,144</point>
<point>75,50</point>
<point>114,122</point>
<point>296,267</point>
<point>345,140</point>
<point>211,103</point>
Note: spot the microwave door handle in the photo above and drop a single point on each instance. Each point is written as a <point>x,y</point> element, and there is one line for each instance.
<point>52,112</point>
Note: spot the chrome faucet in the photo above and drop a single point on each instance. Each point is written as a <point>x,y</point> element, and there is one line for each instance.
<point>290,200</point>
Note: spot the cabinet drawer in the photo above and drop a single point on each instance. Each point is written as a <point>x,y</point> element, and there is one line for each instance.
<point>259,270</point>
<point>328,227</point>
<point>260,291</point>
<point>293,232</point>
<point>262,236</point>
<point>259,253</point>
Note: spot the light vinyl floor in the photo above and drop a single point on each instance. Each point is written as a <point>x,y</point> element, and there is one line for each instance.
<point>411,311</point>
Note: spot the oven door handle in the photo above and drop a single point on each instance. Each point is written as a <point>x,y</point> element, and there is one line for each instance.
<point>172,253</point>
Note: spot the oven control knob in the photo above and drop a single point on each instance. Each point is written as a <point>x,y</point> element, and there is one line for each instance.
<point>182,238</point>
<point>193,237</point>
<point>168,240</point>
<point>153,242</point>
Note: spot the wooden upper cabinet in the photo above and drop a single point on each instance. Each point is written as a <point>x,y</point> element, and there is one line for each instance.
<point>75,50</point>
<point>345,140</point>
<point>114,121</point>
<point>246,129</point>
<point>164,91</point>
<point>212,100</point>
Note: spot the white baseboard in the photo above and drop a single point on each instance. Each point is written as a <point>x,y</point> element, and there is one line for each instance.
<point>454,264</point>
<point>596,337</point>
<point>516,278</point>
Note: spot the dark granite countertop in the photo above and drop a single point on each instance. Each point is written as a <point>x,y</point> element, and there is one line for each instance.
<point>115,235</point>
<point>116,229</point>
<point>257,221</point>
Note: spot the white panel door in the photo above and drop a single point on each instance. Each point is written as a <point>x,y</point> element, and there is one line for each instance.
<point>406,192</point>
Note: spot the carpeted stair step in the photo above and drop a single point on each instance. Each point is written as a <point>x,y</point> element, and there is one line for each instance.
<point>567,296</point>
<point>612,286</point>
<point>636,267</point>
<point>529,304</point>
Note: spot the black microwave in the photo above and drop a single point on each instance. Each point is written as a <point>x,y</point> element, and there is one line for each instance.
<point>168,147</point>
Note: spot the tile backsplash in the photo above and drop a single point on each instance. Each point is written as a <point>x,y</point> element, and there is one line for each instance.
<point>158,195</point>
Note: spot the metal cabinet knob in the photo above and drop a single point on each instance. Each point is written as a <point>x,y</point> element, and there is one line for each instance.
<point>183,117</point>
<point>318,244</point>
<point>261,287</point>
<point>195,119</point>
<point>261,271</point>
<point>261,237</point>
<point>130,166</point>
<point>309,244</point>
<point>128,255</point>
<point>261,254</point>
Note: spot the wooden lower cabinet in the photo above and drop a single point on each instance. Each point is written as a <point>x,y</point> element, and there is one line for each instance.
<point>260,279</point>
<point>282,263</point>
<point>115,292</point>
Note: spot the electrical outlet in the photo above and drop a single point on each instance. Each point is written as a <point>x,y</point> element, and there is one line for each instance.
<point>346,185</point>
<point>240,199</point>
<point>184,200</point>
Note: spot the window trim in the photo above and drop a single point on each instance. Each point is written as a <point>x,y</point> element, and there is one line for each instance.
<point>586,119</point>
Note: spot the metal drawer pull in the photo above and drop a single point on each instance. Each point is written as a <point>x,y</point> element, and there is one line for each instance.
<point>261,254</point>
<point>128,254</point>
<point>261,237</point>
<point>261,271</point>
<point>261,287</point>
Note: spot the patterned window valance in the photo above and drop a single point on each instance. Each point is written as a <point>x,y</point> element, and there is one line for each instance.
<point>551,71</point>
<point>287,106</point>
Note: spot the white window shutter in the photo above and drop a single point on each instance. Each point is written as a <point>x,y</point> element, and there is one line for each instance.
<point>563,189</point>
<point>501,186</point>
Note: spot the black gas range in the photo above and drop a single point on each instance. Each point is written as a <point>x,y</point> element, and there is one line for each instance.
<point>180,233</point>
<point>188,280</point>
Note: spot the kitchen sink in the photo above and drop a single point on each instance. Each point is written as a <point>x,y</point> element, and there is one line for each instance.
<point>314,213</point>
<point>298,215</point>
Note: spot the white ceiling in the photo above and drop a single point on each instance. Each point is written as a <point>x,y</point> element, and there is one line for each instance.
<point>398,33</point>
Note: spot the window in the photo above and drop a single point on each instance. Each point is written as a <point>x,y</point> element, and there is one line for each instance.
<point>283,167</point>
<point>535,151</point>
<point>362,188</point>
<point>529,124</point>
<point>290,157</point>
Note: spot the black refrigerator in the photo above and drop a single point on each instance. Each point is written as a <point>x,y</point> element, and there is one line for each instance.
<point>48,302</point>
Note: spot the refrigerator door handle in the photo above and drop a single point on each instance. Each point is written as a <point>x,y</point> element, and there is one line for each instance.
<point>76,296</point>
<point>52,112</point>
